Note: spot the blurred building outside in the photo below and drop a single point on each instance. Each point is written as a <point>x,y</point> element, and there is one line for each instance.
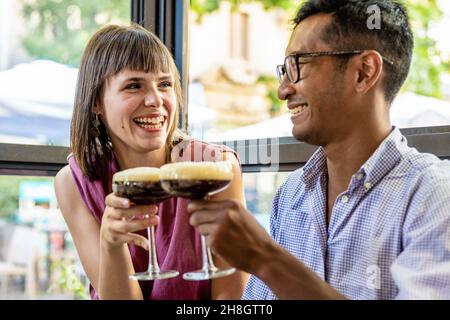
<point>236,72</point>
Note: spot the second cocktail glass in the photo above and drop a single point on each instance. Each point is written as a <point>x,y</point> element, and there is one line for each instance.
<point>142,185</point>
<point>199,180</point>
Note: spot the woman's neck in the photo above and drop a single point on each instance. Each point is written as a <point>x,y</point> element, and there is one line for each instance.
<point>131,159</point>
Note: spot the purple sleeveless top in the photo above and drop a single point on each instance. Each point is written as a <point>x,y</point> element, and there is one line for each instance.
<point>178,244</point>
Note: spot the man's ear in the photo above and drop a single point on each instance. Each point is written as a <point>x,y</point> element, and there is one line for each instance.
<point>370,68</point>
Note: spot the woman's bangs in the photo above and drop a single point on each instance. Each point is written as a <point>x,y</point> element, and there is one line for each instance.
<point>138,52</point>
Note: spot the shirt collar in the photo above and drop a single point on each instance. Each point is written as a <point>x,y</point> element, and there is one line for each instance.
<point>315,166</point>
<point>383,160</point>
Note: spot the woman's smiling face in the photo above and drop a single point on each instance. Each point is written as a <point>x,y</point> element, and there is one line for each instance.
<point>138,109</point>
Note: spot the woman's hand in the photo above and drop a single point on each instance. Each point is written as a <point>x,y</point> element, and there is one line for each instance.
<point>121,218</point>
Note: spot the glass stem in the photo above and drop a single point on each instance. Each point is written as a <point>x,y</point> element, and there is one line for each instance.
<point>208,263</point>
<point>153,266</point>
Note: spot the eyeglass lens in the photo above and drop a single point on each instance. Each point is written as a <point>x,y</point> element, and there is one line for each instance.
<point>291,68</point>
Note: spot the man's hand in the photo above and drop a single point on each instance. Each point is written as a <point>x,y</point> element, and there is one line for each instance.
<point>231,232</point>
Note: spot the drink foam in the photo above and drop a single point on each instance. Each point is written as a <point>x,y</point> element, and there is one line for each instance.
<point>138,174</point>
<point>206,170</point>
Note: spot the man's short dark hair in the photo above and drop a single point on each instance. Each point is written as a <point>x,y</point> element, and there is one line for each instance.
<point>350,30</point>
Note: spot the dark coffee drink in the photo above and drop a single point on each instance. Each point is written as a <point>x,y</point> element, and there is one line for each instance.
<point>195,180</point>
<point>194,189</point>
<point>141,185</point>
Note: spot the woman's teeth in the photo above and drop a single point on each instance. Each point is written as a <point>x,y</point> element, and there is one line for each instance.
<point>150,123</point>
<point>299,109</point>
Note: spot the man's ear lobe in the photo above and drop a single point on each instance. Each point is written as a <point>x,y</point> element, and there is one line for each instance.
<point>370,68</point>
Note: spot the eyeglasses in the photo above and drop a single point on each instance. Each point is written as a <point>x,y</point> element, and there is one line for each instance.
<point>291,67</point>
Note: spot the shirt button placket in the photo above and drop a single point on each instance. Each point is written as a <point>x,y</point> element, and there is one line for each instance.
<point>344,198</point>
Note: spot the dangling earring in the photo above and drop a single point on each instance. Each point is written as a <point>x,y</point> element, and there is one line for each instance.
<point>95,124</point>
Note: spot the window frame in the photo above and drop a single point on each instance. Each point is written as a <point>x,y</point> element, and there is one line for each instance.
<point>168,19</point>
<point>16,159</point>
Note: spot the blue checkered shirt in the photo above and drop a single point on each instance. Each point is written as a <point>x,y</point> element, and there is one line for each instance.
<point>389,233</point>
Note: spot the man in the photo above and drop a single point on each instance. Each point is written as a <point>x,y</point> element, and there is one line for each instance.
<point>367,217</point>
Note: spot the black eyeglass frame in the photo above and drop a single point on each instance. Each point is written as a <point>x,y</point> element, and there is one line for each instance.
<point>281,68</point>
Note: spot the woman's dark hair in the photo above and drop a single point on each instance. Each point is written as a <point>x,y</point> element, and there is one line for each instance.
<point>351,29</point>
<point>110,50</point>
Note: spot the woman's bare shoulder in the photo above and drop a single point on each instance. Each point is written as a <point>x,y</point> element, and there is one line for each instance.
<point>64,179</point>
<point>65,187</point>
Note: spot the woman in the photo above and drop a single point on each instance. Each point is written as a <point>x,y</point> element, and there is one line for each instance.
<point>125,115</point>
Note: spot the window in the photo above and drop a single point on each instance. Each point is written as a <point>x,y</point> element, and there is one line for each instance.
<point>260,189</point>
<point>35,245</point>
<point>232,91</point>
<point>41,42</point>
<point>41,46</point>
<point>234,48</point>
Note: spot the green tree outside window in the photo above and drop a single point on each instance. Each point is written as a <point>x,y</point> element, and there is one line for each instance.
<point>58,30</point>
